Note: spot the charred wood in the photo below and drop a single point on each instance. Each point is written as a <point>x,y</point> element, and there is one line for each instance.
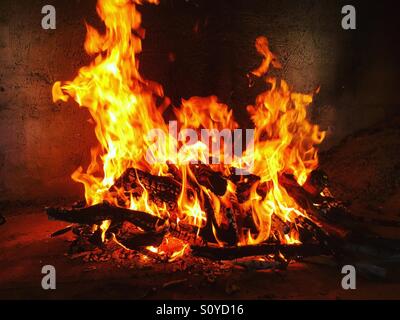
<point>289,251</point>
<point>147,222</point>
<point>257,264</point>
<point>316,182</point>
<point>62,231</point>
<point>100,212</point>
<point>212,180</point>
<point>305,201</point>
<point>161,189</point>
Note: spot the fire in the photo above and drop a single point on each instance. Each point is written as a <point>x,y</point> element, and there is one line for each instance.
<point>124,107</point>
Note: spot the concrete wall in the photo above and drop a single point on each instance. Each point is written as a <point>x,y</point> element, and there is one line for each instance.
<point>41,143</point>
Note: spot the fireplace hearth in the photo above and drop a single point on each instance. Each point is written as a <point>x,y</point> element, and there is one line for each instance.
<point>248,184</point>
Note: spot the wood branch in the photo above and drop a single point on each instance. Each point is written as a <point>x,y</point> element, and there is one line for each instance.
<point>62,231</point>
<point>207,177</point>
<point>147,222</point>
<point>310,230</point>
<point>174,171</point>
<point>245,183</point>
<point>161,189</point>
<point>186,232</point>
<point>305,201</point>
<point>100,212</point>
<point>289,251</point>
<point>255,264</point>
<point>279,227</point>
<point>316,182</point>
<point>227,231</point>
<point>232,237</point>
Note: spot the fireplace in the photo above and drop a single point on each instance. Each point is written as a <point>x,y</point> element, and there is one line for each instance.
<point>187,149</point>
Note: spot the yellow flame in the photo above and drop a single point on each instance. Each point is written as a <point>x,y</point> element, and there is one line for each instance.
<point>104,227</point>
<point>124,108</point>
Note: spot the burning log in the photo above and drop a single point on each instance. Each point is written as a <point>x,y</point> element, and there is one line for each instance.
<point>305,201</point>
<point>187,233</point>
<point>316,182</point>
<point>228,230</point>
<point>321,234</point>
<point>245,183</point>
<point>309,230</point>
<point>147,222</point>
<point>212,180</point>
<point>161,189</point>
<point>232,232</point>
<point>289,251</point>
<point>100,212</point>
<point>174,171</point>
<point>296,191</point>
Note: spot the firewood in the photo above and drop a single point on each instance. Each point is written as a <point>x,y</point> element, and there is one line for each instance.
<point>161,189</point>
<point>187,233</point>
<point>310,230</point>
<point>302,197</point>
<point>207,232</point>
<point>316,182</point>
<point>62,231</point>
<point>212,180</point>
<point>245,183</point>
<point>232,232</point>
<point>279,226</point>
<point>228,230</point>
<point>289,251</point>
<point>257,264</point>
<point>100,212</point>
<point>147,222</point>
<point>305,201</point>
<point>174,171</point>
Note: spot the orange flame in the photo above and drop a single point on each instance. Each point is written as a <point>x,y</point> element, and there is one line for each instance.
<point>124,108</point>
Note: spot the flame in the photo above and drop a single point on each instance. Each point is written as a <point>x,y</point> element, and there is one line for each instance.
<point>104,227</point>
<point>125,106</point>
<point>284,143</point>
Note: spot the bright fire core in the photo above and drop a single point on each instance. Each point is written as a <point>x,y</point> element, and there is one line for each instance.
<point>125,106</point>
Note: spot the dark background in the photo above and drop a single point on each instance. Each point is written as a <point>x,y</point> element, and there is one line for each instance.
<point>192,47</point>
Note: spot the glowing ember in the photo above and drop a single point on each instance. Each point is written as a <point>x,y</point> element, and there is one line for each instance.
<point>123,106</point>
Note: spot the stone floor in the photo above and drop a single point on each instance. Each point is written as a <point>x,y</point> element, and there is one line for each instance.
<point>25,246</point>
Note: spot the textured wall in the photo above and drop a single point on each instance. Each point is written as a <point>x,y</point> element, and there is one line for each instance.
<point>212,41</point>
<point>41,143</point>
